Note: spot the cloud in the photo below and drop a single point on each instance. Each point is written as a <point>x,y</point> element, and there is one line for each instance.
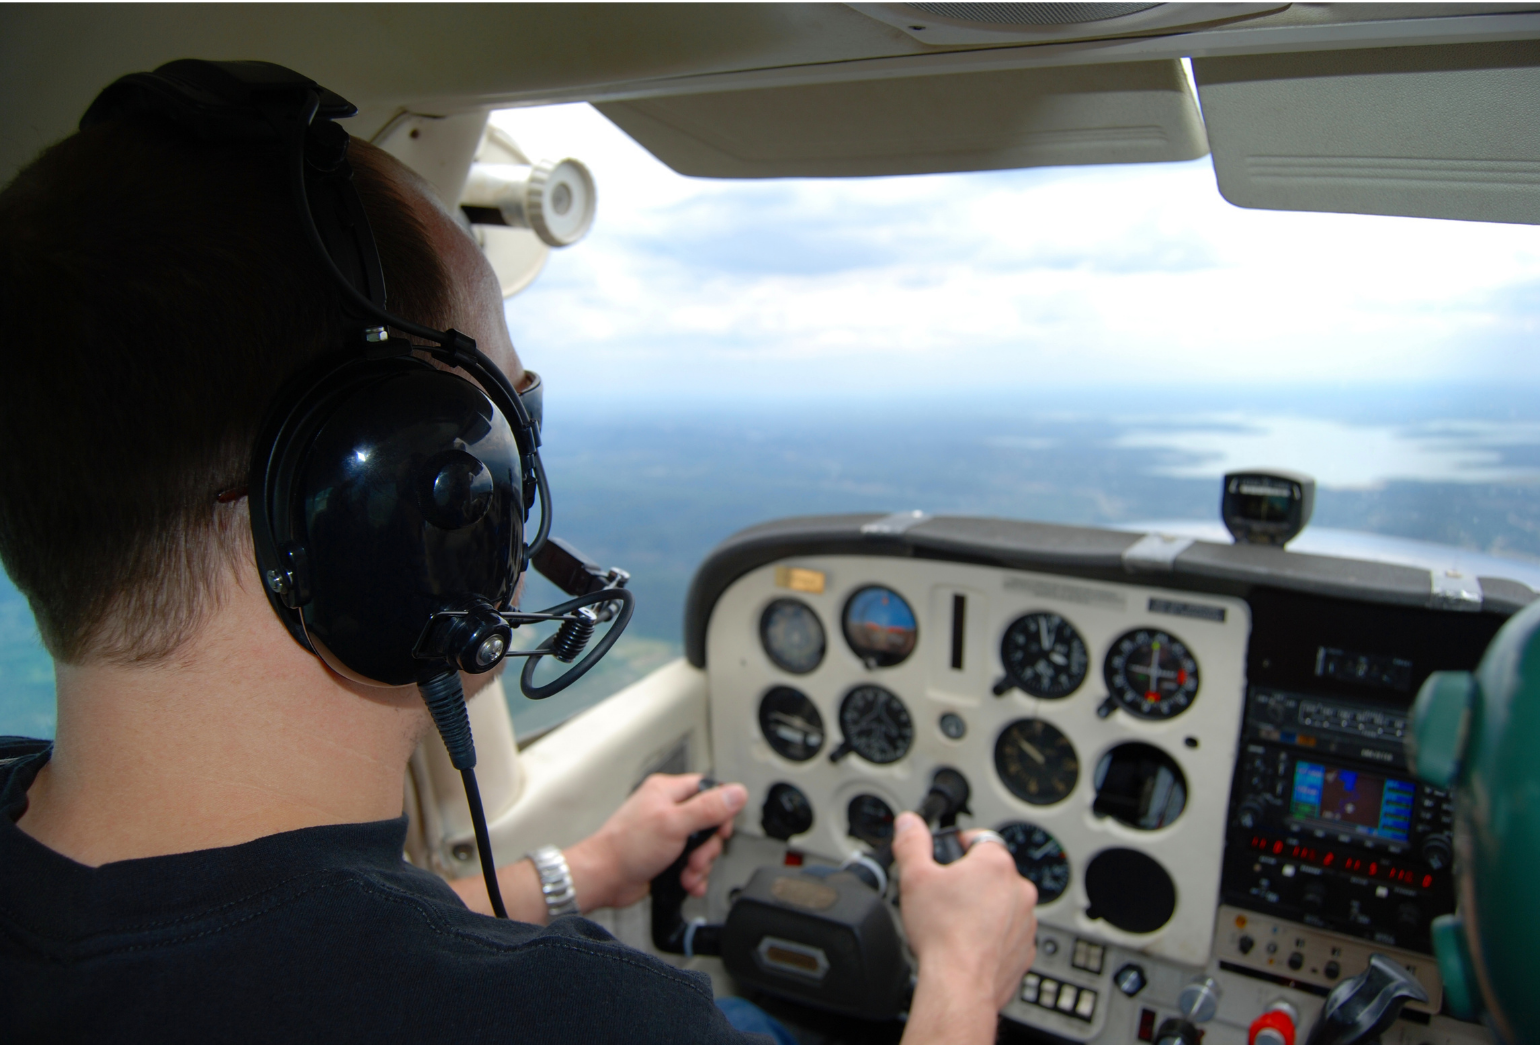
<point>1130,275</point>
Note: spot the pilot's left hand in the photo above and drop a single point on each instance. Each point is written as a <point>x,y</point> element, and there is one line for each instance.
<point>648,832</point>
<point>615,865</point>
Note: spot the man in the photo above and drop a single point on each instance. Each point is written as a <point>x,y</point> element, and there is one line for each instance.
<point>211,848</point>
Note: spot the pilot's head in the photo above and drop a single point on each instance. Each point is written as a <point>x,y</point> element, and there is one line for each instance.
<point>154,294</point>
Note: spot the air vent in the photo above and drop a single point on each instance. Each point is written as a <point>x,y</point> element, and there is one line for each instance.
<point>944,23</point>
<point>1032,14</point>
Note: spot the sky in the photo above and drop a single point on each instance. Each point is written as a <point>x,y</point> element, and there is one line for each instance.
<point>1007,283</point>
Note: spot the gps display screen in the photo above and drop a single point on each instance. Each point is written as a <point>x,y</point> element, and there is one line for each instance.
<point>1347,800</point>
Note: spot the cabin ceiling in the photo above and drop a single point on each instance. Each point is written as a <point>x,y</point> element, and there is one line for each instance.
<point>796,89</point>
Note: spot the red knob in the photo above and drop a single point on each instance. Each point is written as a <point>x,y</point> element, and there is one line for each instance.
<point>1273,1027</point>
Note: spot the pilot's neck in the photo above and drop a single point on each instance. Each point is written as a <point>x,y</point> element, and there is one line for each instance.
<point>238,735</point>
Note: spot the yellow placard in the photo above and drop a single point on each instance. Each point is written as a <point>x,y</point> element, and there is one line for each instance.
<point>799,579</point>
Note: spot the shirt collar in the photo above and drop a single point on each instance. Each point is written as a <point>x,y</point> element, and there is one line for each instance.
<point>60,894</point>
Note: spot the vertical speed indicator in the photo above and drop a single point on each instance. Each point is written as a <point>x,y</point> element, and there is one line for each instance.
<point>1151,674</point>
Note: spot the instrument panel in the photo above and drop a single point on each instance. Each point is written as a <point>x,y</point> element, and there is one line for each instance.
<point>1081,712</point>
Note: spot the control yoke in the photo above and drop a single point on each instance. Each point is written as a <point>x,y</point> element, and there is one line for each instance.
<point>671,934</point>
<point>824,936</point>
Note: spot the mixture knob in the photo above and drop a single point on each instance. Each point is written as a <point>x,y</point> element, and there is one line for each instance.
<point>1276,1026</point>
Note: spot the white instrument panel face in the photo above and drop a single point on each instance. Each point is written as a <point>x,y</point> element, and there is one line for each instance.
<point>950,674</point>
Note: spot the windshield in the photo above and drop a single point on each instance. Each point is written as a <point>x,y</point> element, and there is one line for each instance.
<point>1077,345</point>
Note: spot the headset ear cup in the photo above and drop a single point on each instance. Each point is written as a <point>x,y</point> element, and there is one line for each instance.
<point>399,487</point>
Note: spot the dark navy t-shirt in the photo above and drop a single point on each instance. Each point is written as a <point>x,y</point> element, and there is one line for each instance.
<point>324,934</point>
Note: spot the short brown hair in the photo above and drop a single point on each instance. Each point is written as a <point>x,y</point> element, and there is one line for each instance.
<point>155,292</point>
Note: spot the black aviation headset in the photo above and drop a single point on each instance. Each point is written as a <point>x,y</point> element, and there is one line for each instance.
<point>388,498</point>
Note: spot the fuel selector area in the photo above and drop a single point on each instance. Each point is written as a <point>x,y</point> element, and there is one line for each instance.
<point>1096,723</point>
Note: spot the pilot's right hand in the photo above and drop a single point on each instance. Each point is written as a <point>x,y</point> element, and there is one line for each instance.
<point>971,925</point>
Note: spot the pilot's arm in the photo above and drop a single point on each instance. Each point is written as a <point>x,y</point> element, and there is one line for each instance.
<point>972,926</point>
<point>614,866</point>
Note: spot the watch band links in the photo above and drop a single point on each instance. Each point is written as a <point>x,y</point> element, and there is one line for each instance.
<point>555,881</point>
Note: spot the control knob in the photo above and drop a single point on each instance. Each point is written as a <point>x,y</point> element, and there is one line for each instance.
<point>1198,1002</point>
<point>1177,1031</point>
<point>1249,815</point>
<point>1437,852</point>
<point>1130,979</point>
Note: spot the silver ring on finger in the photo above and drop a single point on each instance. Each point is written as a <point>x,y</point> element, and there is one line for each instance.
<point>987,835</point>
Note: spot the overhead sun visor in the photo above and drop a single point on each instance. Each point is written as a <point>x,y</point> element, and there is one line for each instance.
<point>1434,132</point>
<point>1138,112</point>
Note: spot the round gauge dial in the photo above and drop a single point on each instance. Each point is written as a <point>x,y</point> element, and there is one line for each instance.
<point>1044,655</point>
<point>871,820</point>
<point>791,724</point>
<point>792,636</point>
<point>876,725</point>
<point>880,626</point>
<point>1039,857</point>
<point>1150,673</point>
<point>1036,762</point>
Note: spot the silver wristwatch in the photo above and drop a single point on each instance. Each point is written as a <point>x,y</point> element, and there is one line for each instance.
<point>555,881</point>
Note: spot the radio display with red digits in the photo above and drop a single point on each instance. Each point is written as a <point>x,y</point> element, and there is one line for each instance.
<point>1352,801</point>
<point>1348,863</point>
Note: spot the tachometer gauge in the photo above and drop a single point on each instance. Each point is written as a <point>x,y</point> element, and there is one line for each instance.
<point>1036,762</point>
<point>792,636</point>
<point>1044,655</point>
<point>880,626</point>
<point>871,820</point>
<point>791,724</point>
<point>1151,674</point>
<point>876,726</point>
<point>1039,857</point>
